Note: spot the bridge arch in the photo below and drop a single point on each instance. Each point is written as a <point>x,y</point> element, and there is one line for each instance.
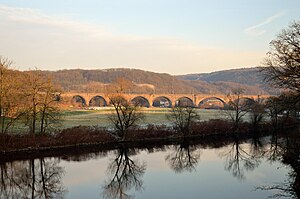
<point>97,101</point>
<point>242,103</point>
<point>118,99</point>
<point>212,103</point>
<point>57,97</point>
<point>141,101</point>
<point>162,101</point>
<point>245,101</point>
<point>78,101</point>
<point>184,102</point>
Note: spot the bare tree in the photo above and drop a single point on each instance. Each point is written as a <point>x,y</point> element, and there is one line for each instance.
<point>256,112</point>
<point>283,70</point>
<point>274,108</point>
<point>283,61</point>
<point>4,89</point>
<point>236,108</point>
<point>126,115</point>
<point>183,118</point>
<point>49,111</point>
<point>10,95</point>
<point>282,109</point>
<point>41,110</point>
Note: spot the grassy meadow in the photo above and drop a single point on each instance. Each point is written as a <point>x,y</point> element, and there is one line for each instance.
<point>100,117</point>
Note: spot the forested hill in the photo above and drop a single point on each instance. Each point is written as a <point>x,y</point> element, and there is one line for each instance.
<point>251,79</point>
<point>221,82</point>
<point>97,80</point>
<point>249,76</point>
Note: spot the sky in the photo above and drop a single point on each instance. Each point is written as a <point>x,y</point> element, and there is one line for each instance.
<point>167,36</point>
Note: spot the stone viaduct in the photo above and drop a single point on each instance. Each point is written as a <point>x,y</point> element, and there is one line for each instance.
<point>152,100</point>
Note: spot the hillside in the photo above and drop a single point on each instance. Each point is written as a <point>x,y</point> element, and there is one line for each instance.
<point>251,79</point>
<point>98,80</point>
<point>249,76</point>
<point>221,82</point>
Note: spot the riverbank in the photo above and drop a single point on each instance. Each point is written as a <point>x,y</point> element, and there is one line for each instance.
<point>16,146</point>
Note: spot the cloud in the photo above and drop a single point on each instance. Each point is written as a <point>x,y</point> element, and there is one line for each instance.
<point>34,39</point>
<point>36,18</point>
<point>257,30</point>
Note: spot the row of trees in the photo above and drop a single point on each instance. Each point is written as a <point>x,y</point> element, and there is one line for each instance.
<point>28,98</point>
<point>283,71</point>
<point>277,109</point>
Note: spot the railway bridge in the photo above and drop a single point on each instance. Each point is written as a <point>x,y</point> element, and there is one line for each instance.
<point>152,100</point>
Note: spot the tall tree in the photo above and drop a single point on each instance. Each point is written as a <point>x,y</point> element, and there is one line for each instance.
<point>283,61</point>
<point>41,109</point>
<point>126,114</point>
<point>9,94</point>
<point>4,89</point>
<point>183,118</point>
<point>256,112</point>
<point>237,107</point>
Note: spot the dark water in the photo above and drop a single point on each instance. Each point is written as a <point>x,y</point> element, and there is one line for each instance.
<point>252,168</point>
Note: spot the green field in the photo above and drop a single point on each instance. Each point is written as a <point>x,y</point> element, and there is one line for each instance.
<point>100,117</point>
<point>156,116</point>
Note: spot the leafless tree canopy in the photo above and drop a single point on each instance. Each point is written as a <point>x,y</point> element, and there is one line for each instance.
<point>237,107</point>
<point>29,97</point>
<point>126,115</point>
<point>283,61</point>
<point>183,118</point>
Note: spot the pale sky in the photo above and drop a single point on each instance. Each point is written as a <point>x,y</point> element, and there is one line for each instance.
<point>172,36</point>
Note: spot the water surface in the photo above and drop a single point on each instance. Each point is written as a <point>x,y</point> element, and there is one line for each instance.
<point>229,169</point>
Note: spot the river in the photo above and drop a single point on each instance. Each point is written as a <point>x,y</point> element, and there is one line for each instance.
<point>252,168</point>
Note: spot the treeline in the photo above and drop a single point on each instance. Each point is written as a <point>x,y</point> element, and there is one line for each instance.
<point>78,80</point>
<point>250,79</point>
<point>28,98</point>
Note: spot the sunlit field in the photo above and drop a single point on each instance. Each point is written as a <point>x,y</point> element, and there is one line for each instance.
<point>100,117</point>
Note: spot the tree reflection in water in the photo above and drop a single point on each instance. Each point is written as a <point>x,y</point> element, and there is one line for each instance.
<point>288,151</point>
<point>40,179</point>
<point>125,173</point>
<point>238,159</point>
<point>184,157</point>
<point>276,149</point>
